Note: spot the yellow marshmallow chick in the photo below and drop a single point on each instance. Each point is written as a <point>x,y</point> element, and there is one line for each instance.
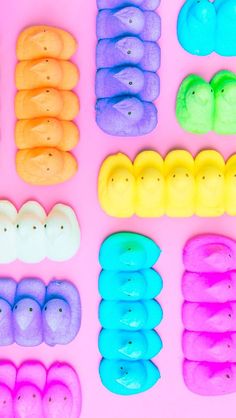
<point>209,167</point>
<point>116,186</point>
<point>230,186</point>
<point>150,184</point>
<point>180,184</point>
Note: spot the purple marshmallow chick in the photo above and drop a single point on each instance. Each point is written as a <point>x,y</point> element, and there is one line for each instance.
<point>61,313</point>
<point>121,81</point>
<point>27,322</point>
<point>6,323</point>
<point>143,4</point>
<point>120,22</point>
<point>8,290</point>
<point>128,50</point>
<point>128,21</point>
<point>126,116</point>
<point>119,51</point>
<point>7,297</point>
<point>27,312</point>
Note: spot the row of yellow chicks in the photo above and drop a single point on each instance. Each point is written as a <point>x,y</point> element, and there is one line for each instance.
<point>45,105</point>
<point>178,186</point>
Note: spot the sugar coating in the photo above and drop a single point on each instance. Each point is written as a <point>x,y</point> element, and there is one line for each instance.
<point>37,313</point>
<point>31,235</point>
<point>202,107</point>
<point>208,313</point>
<point>129,313</point>
<point>33,391</point>
<point>205,27</point>
<point>127,58</point>
<point>178,186</point>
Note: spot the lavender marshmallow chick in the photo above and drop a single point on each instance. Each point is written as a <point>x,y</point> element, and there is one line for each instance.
<point>128,50</point>
<point>27,312</point>
<point>7,296</point>
<point>126,116</point>
<point>143,4</point>
<point>128,21</point>
<point>61,313</point>
<point>128,80</point>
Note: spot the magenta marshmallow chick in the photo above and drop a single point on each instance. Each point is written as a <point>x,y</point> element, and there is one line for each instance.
<point>209,315</point>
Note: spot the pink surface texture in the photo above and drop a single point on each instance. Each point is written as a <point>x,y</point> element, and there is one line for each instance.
<point>169,398</point>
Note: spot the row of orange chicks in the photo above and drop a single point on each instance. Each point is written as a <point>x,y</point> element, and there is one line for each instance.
<point>46,106</point>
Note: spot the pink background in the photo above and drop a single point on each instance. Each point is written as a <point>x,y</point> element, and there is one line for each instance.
<point>169,398</point>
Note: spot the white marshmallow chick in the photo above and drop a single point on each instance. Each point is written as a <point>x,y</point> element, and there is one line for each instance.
<point>62,233</point>
<point>31,245</point>
<point>8,248</point>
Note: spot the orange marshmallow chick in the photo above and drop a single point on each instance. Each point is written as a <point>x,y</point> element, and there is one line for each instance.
<point>46,72</point>
<point>45,41</point>
<point>46,132</point>
<point>45,166</point>
<point>30,104</point>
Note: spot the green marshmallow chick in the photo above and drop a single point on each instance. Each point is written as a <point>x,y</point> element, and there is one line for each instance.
<point>224,86</point>
<point>195,105</point>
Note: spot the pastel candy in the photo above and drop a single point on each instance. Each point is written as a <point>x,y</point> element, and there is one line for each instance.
<point>8,246</point>
<point>7,384</point>
<point>143,4</point>
<point>30,383</point>
<point>44,132</point>
<point>46,72</point>
<point>209,317</point>
<point>27,322</point>
<point>61,314</point>
<point>204,27</point>
<point>62,392</point>
<point>230,186</point>
<point>7,289</point>
<point>226,27</point>
<point>128,50</point>
<point>196,27</point>
<point>7,296</point>
<point>209,253</point>
<point>224,85</point>
<point>44,102</point>
<point>45,166</point>
<point>127,80</point>
<point>130,315</point>
<point>195,105</point>
<point>62,233</point>
<point>128,378</point>
<point>150,184</point>
<point>209,287</point>
<point>31,287</point>
<point>180,184</point>
<point>27,316</point>
<point>210,167</point>
<point>128,20</point>
<point>126,116</point>
<point>40,41</point>
<point>143,284</point>
<point>132,346</point>
<point>211,347</point>
<point>116,186</point>
<point>30,233</point>
<point>131,252</point>
<point>210,379</point>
